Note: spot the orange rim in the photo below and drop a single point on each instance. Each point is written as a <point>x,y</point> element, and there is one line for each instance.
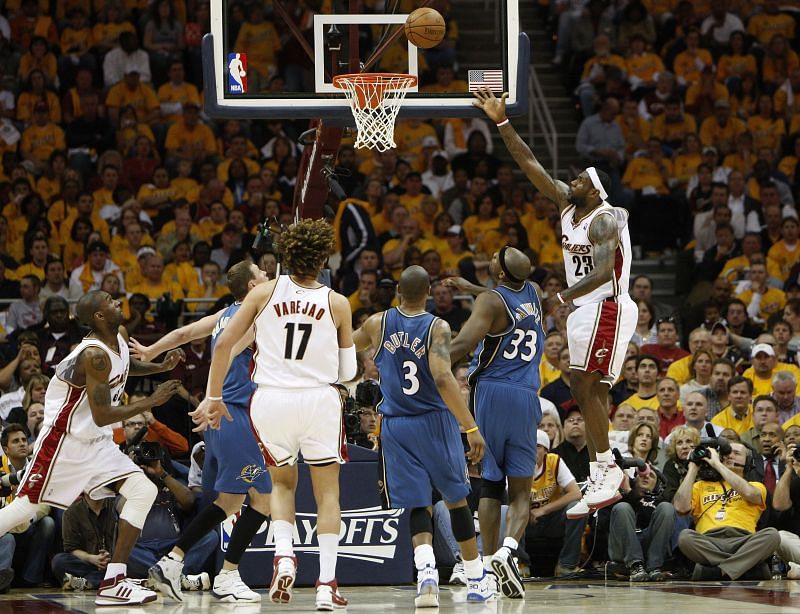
<point>383,79</point>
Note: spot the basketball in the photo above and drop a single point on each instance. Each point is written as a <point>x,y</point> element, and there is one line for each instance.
<point>425,28</point>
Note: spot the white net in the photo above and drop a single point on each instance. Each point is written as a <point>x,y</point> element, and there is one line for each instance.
<point>375,100</point>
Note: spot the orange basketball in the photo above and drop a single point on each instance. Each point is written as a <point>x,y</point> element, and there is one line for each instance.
<point>425,28</point>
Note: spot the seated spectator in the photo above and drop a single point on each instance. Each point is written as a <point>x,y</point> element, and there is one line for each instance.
<point>767,129</point>
<point>89,276</point>
<point>557,391</point>
<point>595,74</point>
<point>765,365</point>
<point>124,60</point>
<point>778,63</point>
<point>649,172</point>
<point>784,391</point>
<point>680,444</point>
<point>738,323</point>
<point>783,255</point>
<point>153,285</point>
<point>259,39</point>
<point>665,349</point>
<point>628,385</point>
<point>548,367</point>
<point>29,543</point>
<point>669,409</point>
<point>725,543</point>
<point>785,502</point>
<point>444,307</point>
<point>158,432</point>
<point>573,450</point>
<point>27,310</point>
<point>111,23</point>
<point>736,268</point>
<point>553,492</point>
<point>88,528</point>
<point>673,126</point>
<point>162,39</point>
<point>718,27</point>
<point>35,93</point>
<point>647,369</point>
<point>762,300</point>
<point>189,139</point>
<point>57,334</point>
<point>700,368</point>
<point>142,324</point>
<point>41,139</point>
<point>551,424</point>
<point>643,442</point>
<point>738,416</point>
<point>721,129</point>
<point>765,411</point>
<point>689,63</point>
<point>640,531</point>
<point>455,251</point>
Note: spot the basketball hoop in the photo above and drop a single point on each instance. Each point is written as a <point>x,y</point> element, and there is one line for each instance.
<point>375,100</point>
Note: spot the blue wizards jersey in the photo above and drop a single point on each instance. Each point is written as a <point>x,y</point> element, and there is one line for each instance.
<point>513,356</point>
<point>402,359</point>
<point>237,387</point>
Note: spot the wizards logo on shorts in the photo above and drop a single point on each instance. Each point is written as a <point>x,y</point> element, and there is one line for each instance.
<point>237,73</point>
<point>250,473</point>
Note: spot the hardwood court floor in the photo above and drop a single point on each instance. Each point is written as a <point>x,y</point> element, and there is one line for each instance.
<point>551,598</point>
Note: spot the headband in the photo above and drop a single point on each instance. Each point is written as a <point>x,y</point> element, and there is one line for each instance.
<point>592,172</point>
<point>502,258</point>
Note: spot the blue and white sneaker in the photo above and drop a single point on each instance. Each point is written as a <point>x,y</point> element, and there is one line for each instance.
<point>427,588</point>
<point>482,589</point>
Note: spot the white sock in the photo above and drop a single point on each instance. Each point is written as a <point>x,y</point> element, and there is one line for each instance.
<point>175,556</point>
<point>474,569</point>
<point>328,548</point>
<point>510,543</point>
<point>487,562</point>
<point>423,556</point>
<point>116,569</point>
<point>283,532</point>
<point>605,457</point>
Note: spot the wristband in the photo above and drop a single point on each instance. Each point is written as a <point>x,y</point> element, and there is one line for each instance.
<point>472,430</point>
<point>560,298</point>
<point>214,398</point>
<point>503,123</point>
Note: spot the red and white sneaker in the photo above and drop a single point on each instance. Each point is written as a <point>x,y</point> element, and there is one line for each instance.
<point>603,487</point>
<point>121,591</point>
<point>284,572</point>
<point>329,597</point>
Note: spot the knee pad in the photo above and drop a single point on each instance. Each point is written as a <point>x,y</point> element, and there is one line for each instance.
<point>420,521</point>
<point>463,523</point>
<point>139,493</point>
<point>493,490</point>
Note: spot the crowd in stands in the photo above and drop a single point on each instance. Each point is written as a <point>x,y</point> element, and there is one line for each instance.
<point>112,178</point>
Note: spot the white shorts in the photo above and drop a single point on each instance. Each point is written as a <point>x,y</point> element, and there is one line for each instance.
<point>598,335</point>
<point>63,467</point>
<point>293,421</point>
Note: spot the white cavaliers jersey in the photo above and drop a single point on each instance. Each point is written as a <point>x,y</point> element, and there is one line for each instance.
<point>66,406</point>
<point>579,252</point>
<point>297,345</point>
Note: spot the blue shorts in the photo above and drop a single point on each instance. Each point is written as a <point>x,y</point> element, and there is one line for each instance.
<point>418,454</point>
<point>507,416</point>
<point>234,463</point>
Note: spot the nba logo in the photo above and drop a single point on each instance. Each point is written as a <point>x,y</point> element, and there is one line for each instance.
<point>237,73</point>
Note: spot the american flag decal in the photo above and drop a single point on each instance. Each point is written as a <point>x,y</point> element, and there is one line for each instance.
<point>492,79</point>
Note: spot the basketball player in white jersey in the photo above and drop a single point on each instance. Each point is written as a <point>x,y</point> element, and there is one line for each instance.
<point>304,343</point>
<point>75,452</point>
<point>597,257</point>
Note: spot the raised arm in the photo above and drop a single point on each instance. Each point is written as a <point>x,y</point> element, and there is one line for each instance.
<point>495,109</point>
<point>143,368</point>
<point>446,384</point>
<point>97,366</point>
<point>479,324</point>
<point>176,338</point>
<point>604,236</point>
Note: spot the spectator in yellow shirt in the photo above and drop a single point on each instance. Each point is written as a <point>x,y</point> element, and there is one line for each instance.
<point>721,129</point>
<point>485,219</point>
<point>673,125</point>
<point>190,139</point>
<point>763,26</point>
<point>41,138</point>
<point>259,39</point>
<point>689,64</point>
<point>763,301</point>
<point>790,89</point>
<point>152,284</point>
<point>767,129</point>
<point>548,367</point>
<point>783,255</point>
<point>738,416</point>
<point>175,93</point>
<point>36,92</point>
<point>214,222</point>
<point>650,171</point>
<point>643,66</point>
<point>734,64</point>
<point>76,43</point>
<point>765,365</point>
<point>635,129</point>
<point>132,92</point>
<point>595,70</point>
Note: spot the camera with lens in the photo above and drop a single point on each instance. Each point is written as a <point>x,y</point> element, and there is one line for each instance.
<point>701,451</point>
<point>147,452</point>
<point>352,421</point>
<point>368,394</point>
<point>9,482</point>
<point>796,453</point>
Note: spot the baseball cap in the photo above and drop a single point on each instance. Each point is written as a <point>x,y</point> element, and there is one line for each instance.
<point>709,149</point>
<point>542,439</point>
<point>455,230</point>
<point>145,251</point>
<point>762,347</point>
<point>387,282</point>
<point>719,324</point>
<point>430,141</point>
<point>440,154</point>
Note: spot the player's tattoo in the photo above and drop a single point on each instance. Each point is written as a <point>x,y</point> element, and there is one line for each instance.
<point>440,341</point>
<point>604,236</point>
<point>99,362</point>
<point>102,394</point>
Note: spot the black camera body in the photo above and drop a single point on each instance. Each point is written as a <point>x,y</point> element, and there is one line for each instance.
<point>796,453</point>
<point>368,393</point>
<point>9,481</point>
<point>700,452</point>
<point>147,452</point>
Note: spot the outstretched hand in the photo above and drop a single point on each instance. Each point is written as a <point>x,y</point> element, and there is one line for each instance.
<point>495,108</point>
<point>140,351</point>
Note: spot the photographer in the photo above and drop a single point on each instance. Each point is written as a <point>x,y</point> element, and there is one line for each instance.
<point>361,416</point>
<point>725,508</point>
<point>641,527</point>
<point>786,500</point>
<point>165,520</point>
<point>157,432</point>
<point>28,544</point>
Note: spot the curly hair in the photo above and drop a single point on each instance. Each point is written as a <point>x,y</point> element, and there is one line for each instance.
<point>306,245</point>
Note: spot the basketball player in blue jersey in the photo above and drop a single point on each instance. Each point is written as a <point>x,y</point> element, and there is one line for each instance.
<point>421,446</point>
<point>234,465</point>
<point>506,327</point>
